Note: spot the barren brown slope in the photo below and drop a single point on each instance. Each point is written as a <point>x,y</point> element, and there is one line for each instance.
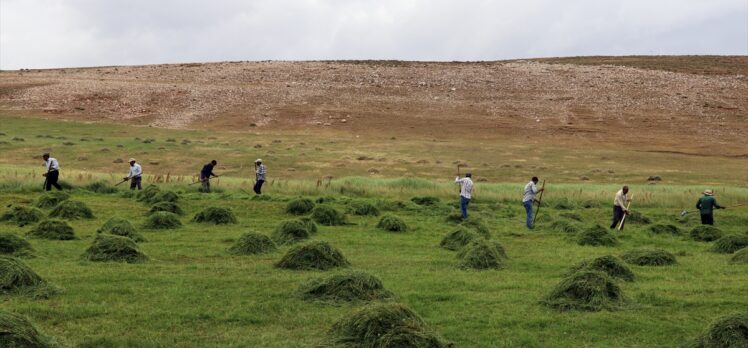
<point>649,109</point>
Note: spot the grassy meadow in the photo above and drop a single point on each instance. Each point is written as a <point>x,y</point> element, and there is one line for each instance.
<point>193,293</point>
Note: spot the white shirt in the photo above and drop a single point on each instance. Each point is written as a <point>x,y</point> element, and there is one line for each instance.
<point>51,164</point>
<point>135,170</point>
<point>620,199</point>
<point>466,186</point>
<point>530,191</point>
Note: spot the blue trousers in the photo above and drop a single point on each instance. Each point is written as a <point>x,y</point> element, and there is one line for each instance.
<point>463,206</point>
<point>528,210</point>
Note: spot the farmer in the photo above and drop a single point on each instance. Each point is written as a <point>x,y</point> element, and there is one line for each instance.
<point>706,206</point>
<point>259,176</point>
<point>53,172</point>
<point>531,189</point>
<point>205,175</point>
<point>466,191</point>
<point>619,206</point>
<point>136,172</point>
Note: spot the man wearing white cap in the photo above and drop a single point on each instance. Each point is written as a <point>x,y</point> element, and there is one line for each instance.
<point>259,176</point>
<point>52,174</point>
<point>706,205</point>
<point>136,172</point>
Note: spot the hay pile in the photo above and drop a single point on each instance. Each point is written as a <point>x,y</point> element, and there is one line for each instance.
<point>665,229</point>
<point>608,264</point>
<point>121,227</point>
<point>482,254</point>
<point>392,223</point>
<point>478,226</point>
<point>596,236</point>
<point>53,229</point>
<point>19,279</point>
<point>300,206</point>
<point>22,215</point>
<point>328,216</point>
<point>740,257</point>
<point>170,207</point>
<point>17,332</point>
<point>345,287</point>
<point>13,245</point>
<point>563,204</point>
<point>252,243</point>
<point>649,257</point>
<point>636,217</point>
<point>51,199</point>
<point>100,187</point>
<point>705,233</point>
<point>730,243</point>
<point>164,196</point>
<point>589,204</point>
<point>309,224</point>
<point>147,194</point>
<point>384,325</point>
<point>362,208</point>
<point>455,216</point>
<point>726,332</point>
<point>586,291</point>
<point>317,255</point>
<point>162,220</point>
<point>291,231</point>
<point>564,226</point>
<point>215,215</point>
<point>458,238</point>
<point>108,247</point>
<point>72,210</point>
<point>571,216</point>
<point>426,200</point>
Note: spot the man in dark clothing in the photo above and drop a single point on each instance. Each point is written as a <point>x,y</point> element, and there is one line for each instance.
<point>706,206</point>
<point>205,175</point>
<point>52,174</point>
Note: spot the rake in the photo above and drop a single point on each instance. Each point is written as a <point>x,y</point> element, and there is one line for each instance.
<point>623,219</point>
<point>686,212</point>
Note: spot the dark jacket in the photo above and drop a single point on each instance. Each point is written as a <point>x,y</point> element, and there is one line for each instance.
<point>207,171</point>
<point>707,204</point>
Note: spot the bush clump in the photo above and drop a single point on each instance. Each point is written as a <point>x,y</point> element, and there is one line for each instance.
<point>166,206</point>
<point>19,279</point>
<point>162,220</point>
<point>345,287</point>
<point>649,257</point>
<point>121,227</point>
<point>740,257</point>
<point>18,332</point>
<point>300,206</point>
<point>72,210</point>
<point>291,231</point>
<point>596,236</point>
<point>392,223</point>
<point>215,215</point>
<point>363,208</point>
<point>100,187</point>
<point>705,233</point>
<point>478,226</point>
<point>317,255</point>
<point>482,254</point>
<point>586,290</point>
<point>22,215</point>
<point>51,199</point>
<point>53,229</point>
<point>107,247</point>
<point>563,204</point>
<point>730,243</point>
<point>384,325</point>
<point>608,264</point>
<point>635,217</point>
<point>13,245</point>
<point>664,229</point>
<point>564,226</point>
<point>327,216</point>
<point>726,332</point>
<point>458,238</point>
<point>425,200</point>
<point>252,243</point>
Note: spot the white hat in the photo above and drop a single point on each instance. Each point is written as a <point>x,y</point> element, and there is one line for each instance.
<point>708,192</point>
<point>131,160</point>
<point>258,160</point>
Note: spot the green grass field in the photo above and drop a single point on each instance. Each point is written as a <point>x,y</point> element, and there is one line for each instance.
<point>193,293</point>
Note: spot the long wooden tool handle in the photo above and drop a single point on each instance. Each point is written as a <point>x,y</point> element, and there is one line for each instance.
<point>620,224</point>
<point>540,201</point>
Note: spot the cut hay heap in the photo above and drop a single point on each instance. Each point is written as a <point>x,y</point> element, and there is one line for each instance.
<point>664,229</point>
<point>53,229</point>
<point>649,257</point>
<point>22,215</point>
<point>726,332</point>
<point>563,204</point>
<point>635,217</point>
<point>309,224</point>
<point>317,255</point>
<point>51,199</point>
<point>482,254</point>
<point>730,243</point>
<point>71,210</point>
<point>147,194</point>
<point>362,208</point>
<point>121,227</point>
<point>564,227</point>
<point>17,278</point>
<point>291,231</point>
<point>345,287</point>
<point>162,220</point>
<point>17,332</point>
<point>215,215</point>
<point>586,291</point>
<point>164,196</point>
<point>571,216</point>
<point>705,233</point>
<point>740,257</point>
<point>426,200</point>
<point>608,264</point>
<point>478,226</point>
<point>392,223</point>
<point>384,325</point>
<point>100,187</point>
<point>328,216</point>
<point>13,245</point>
<point>252,243</point>
<point>108,247</point>
<point>596,236</point>
<point>589,204</point>
<point>166,206</point>
<point>458,238</point>
<point>300,206</point>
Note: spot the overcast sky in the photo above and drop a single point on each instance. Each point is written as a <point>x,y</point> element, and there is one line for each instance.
<point>66,33</point>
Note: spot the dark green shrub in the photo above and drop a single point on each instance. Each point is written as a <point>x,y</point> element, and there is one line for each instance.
<point>345,287</point>
<point>170,207</point>
<point>328,216</point>
<point>215,215</point>
<point>17,332</point>
<point>162,220</point>
<point>252,243</point>
<point>425,200</point>
<point>586,291</point>
<point>608,264</point>
<point>51,199</point>
<point>121,227</point>
<point>317,255</point>
<point>300,206</point>
<point>706,233</point>
<point>362,208</point>
<point>649,257</point>
<point>107,247</point>
<point>22,215</point>
<point>482,254</point>
<point>726,332</point>
<point>730,243</point>
<point>13,245</point>
<point>392,223</point>
<point>596,236</point>
<point>71,210</point>
<point>290,231</point>
<point>53,229</point>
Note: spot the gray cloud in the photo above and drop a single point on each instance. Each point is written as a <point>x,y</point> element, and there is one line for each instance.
<point>63,33</point>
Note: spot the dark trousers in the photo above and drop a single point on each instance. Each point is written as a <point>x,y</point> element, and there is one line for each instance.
<point>206,185</point>
<point>136,182</point>
<point>52,178</point>
<point>258,186</point>
<point>617,216</point>
<point>463,206</point>
<point>707,219</point>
